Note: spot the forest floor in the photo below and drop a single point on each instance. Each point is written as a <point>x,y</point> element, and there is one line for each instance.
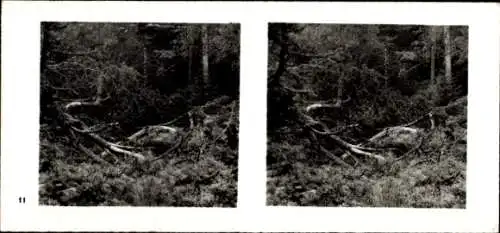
<point>200,170</point>
<point>430,174</point>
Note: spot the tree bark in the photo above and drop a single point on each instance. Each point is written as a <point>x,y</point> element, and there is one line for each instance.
<point>340,87</point>
<point>190,53</point>
<point>96,103</point>
<point>334,157</point>
<point>145,61</point>
<point>283,42</point>
<point>99,140</point>
<point>45,46</point>
<point>433,55</point>
<point>145,30</point>
<point>386,67</point>
<point>386,60</point>
<point>356,150</point>
<point>204,44</point>
<point>279,100</point>
<point>447,55</point>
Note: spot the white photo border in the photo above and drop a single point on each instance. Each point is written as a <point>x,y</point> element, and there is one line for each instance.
<point>20,115</point>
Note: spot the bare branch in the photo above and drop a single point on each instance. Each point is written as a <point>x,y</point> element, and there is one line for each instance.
<point>95,129</point>
<point>428,115</point>
<point>92,155</point>
<point>350,147</point>
<point>337,104</point>
<point>110,146</point>
<point>76,53</point>
<point>75,104</point>
<point>343,128</point>
<point>334,157</point>
<point>298,90</point>
<point>147,129</point>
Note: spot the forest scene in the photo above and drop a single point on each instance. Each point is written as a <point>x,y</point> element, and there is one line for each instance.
<point>139,114</point>
<point>367,115</point>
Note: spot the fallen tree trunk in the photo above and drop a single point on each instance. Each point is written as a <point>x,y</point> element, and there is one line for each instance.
<point>155,135</point>
<point>338,103</point>
<point>354,149</point>
<point>334,157</point>
<point>398,136</point>
<point>401,138</point>
<point>92,155</point>
<point>76,125</point>
<point>108,145</point>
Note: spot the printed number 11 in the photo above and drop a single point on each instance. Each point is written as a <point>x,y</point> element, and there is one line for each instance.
<point>22,200</point>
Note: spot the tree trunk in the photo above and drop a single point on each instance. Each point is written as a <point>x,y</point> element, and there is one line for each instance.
<point>386,66</point>
<point>433,55</point>
<point>145,33</point>
<point>100,88</point>
<point>190,40</point>
<point>279,99</point>
<point>45,46</point>
<point>283,42</point>
<point>190,63</point>
<point>340,87</point>
<point>145,61</point>
<point>204,44</point>
<point>447,55</point>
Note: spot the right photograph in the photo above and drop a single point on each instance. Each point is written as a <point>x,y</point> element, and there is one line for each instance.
<point>367,115</point>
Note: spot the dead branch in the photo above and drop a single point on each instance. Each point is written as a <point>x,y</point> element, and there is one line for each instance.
<point>371,149</point>
<point>344,128</point>
<point>350,147</point>
<point>92,155</point>
<point>392,130</point>
<point>176,119</point>
<point>398,135</point>
<point>334,157</point>
<point>76,53</point>
<point>338,104</point>
<point>95,129</point>
<point>297,90</point>
<point>76,125</point>
<point>110,146</point>
<point>403,138</point>
<point>98,100</point>
<point>358,151</point>
<point>123,146</point>
<point>84,130</point>
<point>146,129</point>
<point>154,135</point>
<point>177,145</point>
<point>310,55</point>
<point>428,115</point>
<point>96,103</point>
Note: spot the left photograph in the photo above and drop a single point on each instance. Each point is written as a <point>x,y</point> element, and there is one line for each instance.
<point>139,114</point>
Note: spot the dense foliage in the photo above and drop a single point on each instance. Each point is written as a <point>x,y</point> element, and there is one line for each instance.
<point>145,74</point>
<point>386,77</point>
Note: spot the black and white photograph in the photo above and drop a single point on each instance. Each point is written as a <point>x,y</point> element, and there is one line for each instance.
<point>367,115</point>
<point>211,116</point>
<point>139,114</point>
